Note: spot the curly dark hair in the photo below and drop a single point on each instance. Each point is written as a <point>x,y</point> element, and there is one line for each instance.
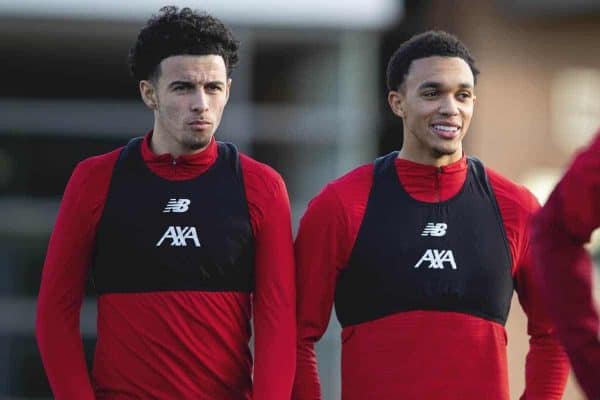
<point>423,45</point>
<point>174,32</point>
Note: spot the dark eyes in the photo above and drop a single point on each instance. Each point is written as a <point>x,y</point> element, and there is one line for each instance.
<point>209,88</point>
<point>214,88</point>
<point>181,88</point>
<point>431,93</point>
<point>434,93</point>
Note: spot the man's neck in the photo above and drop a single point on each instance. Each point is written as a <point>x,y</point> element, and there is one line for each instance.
<point>441,161</point>
<point>159,146</point>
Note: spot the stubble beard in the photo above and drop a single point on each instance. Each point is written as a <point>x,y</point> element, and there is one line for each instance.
<point>195,142</point>
<point>436,150</point>
<point>446,151</point>
<point>440,151</point>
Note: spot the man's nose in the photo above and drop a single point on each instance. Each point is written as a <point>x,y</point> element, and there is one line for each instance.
<point>449,105</point>
<point>199,101</point>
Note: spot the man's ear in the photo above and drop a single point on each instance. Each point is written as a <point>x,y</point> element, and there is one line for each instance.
<point>228,88</point>
<point>396,102</point>
<point>148,93</point>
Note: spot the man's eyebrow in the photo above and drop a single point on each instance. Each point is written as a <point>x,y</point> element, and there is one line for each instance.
<point>191,83</point>
<point>430,85</point>
<point>437,85</point>
<point>465,86</point>
<point>215,82</point>
<point>182,83</point>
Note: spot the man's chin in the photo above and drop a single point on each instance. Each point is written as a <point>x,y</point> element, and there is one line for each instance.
<point>444,152</point>
<point>198,143</point>
<point>447,153</point>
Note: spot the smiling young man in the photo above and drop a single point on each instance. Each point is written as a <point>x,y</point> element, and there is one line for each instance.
<point>420,251</point>
<point>187,239</point>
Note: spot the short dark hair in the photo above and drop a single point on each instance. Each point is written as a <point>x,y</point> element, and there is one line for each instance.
<point>423,45</point>
<point>174,32</point>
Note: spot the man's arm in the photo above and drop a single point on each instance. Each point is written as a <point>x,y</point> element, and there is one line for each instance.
<point>320,252</point>
<point>546,366</point>
<point>275,295</point>
<point>564,267</point>
<point>62,288</point>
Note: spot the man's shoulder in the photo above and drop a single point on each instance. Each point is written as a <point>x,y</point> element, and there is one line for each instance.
<point>99,163</point>
<point>587,159</point>
<point>258,174</point>
<point>91,177</point>
<point>357,176</point>
<point>510,194</point>
<point>350,189</point>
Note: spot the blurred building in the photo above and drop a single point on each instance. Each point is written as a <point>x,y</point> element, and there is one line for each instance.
<point>308,98</point>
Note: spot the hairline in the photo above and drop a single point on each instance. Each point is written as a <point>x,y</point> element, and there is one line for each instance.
<point>156,72</point>
<point>402,84</point>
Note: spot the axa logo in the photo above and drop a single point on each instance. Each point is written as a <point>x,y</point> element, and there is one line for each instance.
<point>437,258</point>
<point>433,229</point>
<point>179,236</point>
<point>177,205</point>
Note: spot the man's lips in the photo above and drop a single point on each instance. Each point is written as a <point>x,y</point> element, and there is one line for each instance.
<point>199,124</point>
<point>446,130</point>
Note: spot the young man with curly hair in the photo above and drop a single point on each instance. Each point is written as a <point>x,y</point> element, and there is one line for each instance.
<point>187,239</point>
<point>420,251</point>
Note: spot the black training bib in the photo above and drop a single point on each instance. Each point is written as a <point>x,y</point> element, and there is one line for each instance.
<point>412,255</point>
<point>157,235</point>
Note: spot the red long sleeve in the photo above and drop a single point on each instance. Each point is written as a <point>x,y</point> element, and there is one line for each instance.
<point>325,239</point>
<point>63,279</point>
<point>564,267</point>
<point>223,334</point>
<point>275,295</point>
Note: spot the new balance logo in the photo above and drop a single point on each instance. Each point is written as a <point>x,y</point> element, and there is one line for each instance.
<point>437,258</point>
<point>179,236</point>
<point>435,229</point>
<point>177,205</point>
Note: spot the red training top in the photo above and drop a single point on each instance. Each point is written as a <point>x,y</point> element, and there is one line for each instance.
<point>564,267</point>
<point>417,354</point>
<point>175,344</point>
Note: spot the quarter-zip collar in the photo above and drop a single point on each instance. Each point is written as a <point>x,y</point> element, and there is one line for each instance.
<point>430,183</point>
<point>186,166</point>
